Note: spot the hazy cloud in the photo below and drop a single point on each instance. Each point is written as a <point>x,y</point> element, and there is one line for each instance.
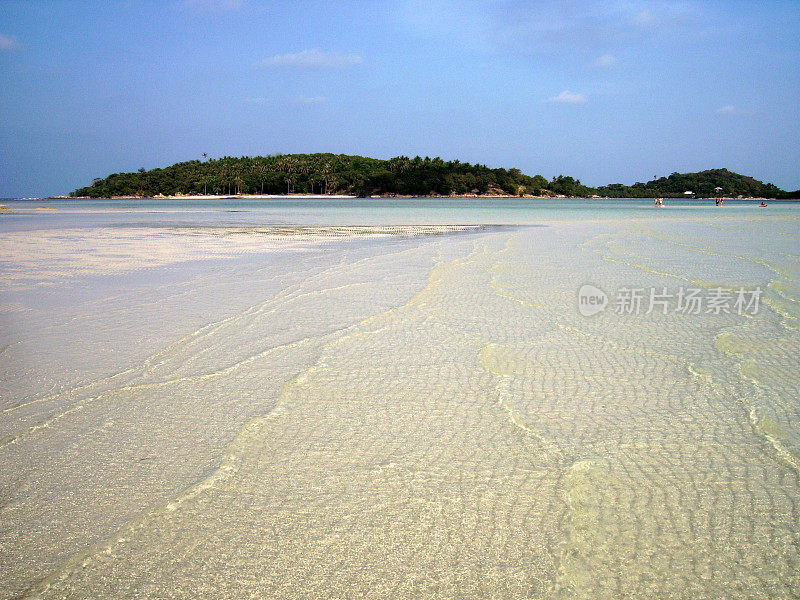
<point>605,62</point>
<point>262,100</point>
<point>313,59</point>
<point>521,28</point>
<point>728,109</point>
<point>7,42</point>
<point>567,97</point>
<point>664,15</point>
<point>644,18</point>
<point>213,4</point>
<point>464,23</point>
<point>524,28</point>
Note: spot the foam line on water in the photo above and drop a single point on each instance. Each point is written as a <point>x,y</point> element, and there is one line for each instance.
<point>239,318</point>
<point>778,437</point>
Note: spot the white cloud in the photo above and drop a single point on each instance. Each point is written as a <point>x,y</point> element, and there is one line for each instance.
<point>8,42</point>
<point>567,97</point>
<point>605,62</point>
<point>728,109</point>
<point>315,59</point>
<point>313,100</point>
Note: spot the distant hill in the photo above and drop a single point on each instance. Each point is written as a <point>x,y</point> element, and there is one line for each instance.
<point>703,184</point>
<point>346,174</point>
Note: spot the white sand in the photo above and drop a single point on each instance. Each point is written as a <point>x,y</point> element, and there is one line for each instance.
<point>46,256</point>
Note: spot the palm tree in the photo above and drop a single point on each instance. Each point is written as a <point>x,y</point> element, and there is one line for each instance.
<point>261,170</point>
<point>327,171</point>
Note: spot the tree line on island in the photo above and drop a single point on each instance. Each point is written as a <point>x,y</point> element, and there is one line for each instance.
<point>402,176</point>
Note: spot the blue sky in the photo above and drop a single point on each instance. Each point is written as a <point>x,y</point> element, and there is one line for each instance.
<point>603,91</point>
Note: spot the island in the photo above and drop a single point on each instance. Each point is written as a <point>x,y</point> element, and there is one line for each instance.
<point>336,174</point>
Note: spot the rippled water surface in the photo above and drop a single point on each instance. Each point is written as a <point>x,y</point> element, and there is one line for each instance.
<point>205,403</point>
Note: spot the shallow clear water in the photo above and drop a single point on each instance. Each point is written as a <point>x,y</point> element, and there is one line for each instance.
<point>350,211</point>
<point>409,417</point>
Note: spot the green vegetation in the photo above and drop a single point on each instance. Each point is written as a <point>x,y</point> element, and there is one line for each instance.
<point>703,184</point>
<point>317,174</point>
<point>344,174</point>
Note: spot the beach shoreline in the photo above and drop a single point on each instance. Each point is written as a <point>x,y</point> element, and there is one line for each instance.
<point>388,196</point>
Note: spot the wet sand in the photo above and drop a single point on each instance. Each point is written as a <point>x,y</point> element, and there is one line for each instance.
<point>52,255</point>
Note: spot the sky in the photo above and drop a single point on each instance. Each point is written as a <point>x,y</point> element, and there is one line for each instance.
<point>607,92</point>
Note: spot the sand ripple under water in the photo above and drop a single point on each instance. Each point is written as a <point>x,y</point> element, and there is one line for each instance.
<point>430,418</point>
